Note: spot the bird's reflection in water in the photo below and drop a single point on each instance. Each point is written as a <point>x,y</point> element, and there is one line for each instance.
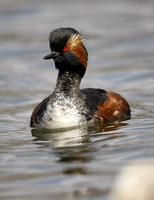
<point>63,137</point>
<point>76,145</point>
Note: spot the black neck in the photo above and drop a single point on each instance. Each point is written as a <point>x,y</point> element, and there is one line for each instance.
<point>68,82</point>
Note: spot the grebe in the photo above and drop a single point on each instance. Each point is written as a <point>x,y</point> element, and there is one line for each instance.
<point>68,106</point>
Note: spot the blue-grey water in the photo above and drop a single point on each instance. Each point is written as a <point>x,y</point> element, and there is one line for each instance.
<point>76,164</point>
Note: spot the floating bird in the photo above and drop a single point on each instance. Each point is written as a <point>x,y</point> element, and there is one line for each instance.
<point>68,105</point>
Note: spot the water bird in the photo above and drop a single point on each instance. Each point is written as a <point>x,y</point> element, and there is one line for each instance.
<point>68,105</point>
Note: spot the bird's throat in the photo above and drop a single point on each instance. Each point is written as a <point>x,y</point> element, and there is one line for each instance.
<point>68,82</point>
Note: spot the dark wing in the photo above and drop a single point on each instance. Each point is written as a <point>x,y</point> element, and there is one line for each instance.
<point>106,106</point>
<point>93,97</point>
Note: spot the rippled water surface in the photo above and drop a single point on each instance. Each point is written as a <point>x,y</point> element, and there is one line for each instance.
<point>81,163</point>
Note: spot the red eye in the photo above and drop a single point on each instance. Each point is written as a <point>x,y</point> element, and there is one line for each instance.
<point>65,48</point>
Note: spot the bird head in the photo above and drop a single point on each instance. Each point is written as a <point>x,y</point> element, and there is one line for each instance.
<point>68,51</point>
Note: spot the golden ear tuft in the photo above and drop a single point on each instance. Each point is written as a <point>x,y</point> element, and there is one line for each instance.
<point>76,46</point>
<point>75,40</point>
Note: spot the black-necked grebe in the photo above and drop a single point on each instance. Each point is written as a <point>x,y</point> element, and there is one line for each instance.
<point>68,106</point>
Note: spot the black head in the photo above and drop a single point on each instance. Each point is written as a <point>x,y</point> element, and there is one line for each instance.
<point>68,51</point>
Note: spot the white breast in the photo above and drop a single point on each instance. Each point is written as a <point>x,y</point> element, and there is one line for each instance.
<point>62,113</point>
